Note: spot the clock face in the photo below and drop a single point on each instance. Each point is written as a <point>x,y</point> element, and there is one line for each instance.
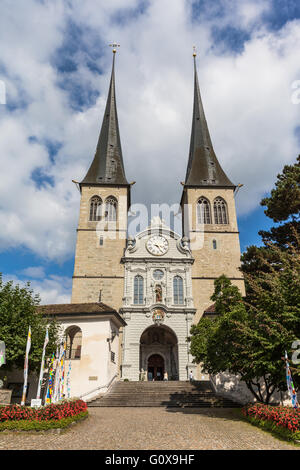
<point>157,245</point>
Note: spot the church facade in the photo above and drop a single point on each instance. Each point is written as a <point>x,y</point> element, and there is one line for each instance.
<point>138,297</point>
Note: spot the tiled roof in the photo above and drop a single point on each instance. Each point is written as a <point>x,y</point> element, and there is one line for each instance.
<point>80,309</point>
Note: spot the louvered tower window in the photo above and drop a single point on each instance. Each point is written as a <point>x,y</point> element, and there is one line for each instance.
<point>138,290</point>
<point>220,211</point>
<point>203,211</point>
<point>95,208</point>
<point>111,209</point>
<point>178,290</point>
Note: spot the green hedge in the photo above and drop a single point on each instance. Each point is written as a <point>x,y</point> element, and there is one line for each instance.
<point>24,425</point>
<point>278,431</point>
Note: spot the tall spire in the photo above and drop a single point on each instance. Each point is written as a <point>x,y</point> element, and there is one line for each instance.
<point>203,168</point>
<point>107,167</point>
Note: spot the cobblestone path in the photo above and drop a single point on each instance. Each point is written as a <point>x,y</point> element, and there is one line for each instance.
<point>151,428</point>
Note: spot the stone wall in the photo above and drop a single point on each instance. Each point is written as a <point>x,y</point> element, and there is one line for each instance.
<point>98,266</point>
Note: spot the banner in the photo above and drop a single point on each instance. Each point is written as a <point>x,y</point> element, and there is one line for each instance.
<point>2,353</point>
<point>290,383</point>
<point>55,397</point>
<point>38,395</point>
<point>62,371</point>
<point>69,380</point>
<point>28,346</point>
<point>49,393</point>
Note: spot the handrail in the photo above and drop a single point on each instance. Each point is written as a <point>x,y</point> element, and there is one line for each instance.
<point>99,388</point>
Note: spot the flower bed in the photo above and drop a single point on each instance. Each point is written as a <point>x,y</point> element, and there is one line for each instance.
<point>282,420</point>
<point>51,416</point>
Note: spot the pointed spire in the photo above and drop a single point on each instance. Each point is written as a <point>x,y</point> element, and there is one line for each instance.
<point>107,167</point>
<point>203,168</point>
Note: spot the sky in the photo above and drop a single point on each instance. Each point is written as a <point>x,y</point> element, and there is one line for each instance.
<point>55,65</point>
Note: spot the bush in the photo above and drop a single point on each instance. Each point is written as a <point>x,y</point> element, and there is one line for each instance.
<point>41,425</point>
<point>283,420</point>
<point>53,412</point>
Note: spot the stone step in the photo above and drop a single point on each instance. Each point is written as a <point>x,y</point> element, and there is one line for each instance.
<point>202,404</point>
<point>162,394</point>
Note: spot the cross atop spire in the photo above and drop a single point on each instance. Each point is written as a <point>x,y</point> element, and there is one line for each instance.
<point>203,168</point>
<point>107,167</point>
<point>114,45</point>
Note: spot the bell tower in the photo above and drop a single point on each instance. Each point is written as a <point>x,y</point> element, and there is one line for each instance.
<point>208,212</point>
<point>102,228</point>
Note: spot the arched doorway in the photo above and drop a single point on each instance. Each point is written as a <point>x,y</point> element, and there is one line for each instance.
<point>159,353</point>
<point>156,367</point>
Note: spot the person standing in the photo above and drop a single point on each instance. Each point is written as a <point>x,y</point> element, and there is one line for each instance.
<point>191,376</point>
<point>166,376</point>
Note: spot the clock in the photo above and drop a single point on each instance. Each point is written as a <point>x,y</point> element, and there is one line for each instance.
<point>157,245</point>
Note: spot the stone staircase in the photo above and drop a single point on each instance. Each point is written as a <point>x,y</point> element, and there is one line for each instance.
<point>173,394</point>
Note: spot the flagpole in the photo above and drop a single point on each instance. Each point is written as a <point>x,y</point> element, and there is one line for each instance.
<point>28,346</point>
<point>38,395</point>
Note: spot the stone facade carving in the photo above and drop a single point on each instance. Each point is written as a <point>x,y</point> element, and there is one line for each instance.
<point>159,324</point>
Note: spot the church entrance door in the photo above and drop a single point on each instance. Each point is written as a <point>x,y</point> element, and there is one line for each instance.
<point>156,367</point>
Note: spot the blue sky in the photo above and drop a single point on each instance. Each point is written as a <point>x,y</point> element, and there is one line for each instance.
<point>56,87</point>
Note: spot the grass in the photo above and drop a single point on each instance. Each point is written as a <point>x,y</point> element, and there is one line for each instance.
<point>24,425</point>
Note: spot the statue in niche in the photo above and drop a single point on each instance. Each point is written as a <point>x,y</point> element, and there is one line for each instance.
<point>155,338</point>
<point>158,293</point>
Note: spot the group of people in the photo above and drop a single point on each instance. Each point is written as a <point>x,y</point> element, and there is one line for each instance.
<point>166,378</point>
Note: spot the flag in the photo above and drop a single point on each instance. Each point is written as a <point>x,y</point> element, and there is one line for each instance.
<point>38,395</point>
<point>290,383</point>
<point>28,346</point>
<point>62,370</point>
<point>49,393</point>
<point>56,379</point>
<point>2,353</point>
<point>69,380</point>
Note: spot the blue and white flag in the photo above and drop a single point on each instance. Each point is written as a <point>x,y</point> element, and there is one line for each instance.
<point>38,395</point>
<point>290,383</point>
<point>28,346</point>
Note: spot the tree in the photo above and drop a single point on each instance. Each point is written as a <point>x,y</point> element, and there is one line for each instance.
<point>249,336</point>
<point>18,312</point>
<point>283,205</point>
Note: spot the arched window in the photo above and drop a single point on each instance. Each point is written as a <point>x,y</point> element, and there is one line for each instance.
<point>73,340</point>
<point>178,290</point>
<point>203,211</point>
<point>138,290</point>
<point>95,208</point>
<point>220,211</point>
<point>111,209</point>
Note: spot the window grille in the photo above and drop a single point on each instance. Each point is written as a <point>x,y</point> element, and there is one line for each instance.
<point>111,209</point>
<point>203,211</point>
<point>220,211</point>
<point>138,290</point>
<point>178,290</point>
<point>95,208</point>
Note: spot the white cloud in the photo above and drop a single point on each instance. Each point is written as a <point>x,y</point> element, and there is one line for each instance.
<point>34,272</point>
<point>52,290</point>
<point>247,98</point>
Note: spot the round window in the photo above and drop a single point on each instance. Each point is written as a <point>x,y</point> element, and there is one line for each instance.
<point>158,274</point>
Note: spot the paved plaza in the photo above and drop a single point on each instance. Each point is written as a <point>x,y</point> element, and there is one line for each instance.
<point>150,429</point>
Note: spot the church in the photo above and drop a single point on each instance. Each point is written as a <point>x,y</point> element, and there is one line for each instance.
<point>134,300</point>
